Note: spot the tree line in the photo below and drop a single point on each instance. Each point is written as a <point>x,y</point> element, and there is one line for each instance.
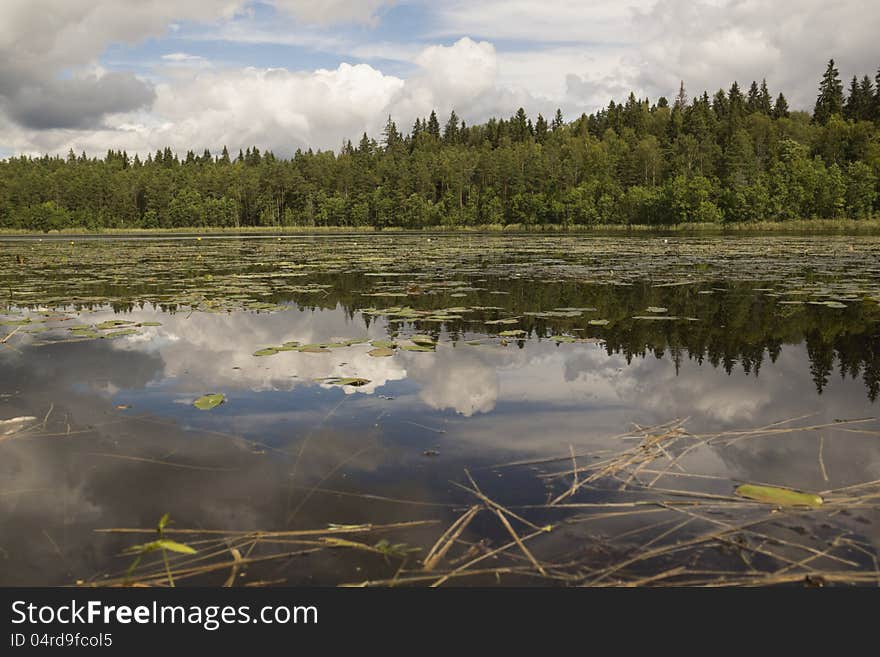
<point>737,155</point>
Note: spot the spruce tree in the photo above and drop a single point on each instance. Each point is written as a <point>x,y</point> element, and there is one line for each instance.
<point>866,89</point>
<point>450,130</point>
<point>681,99</point>
<point>754,98</point>
<point>540,129</point>
<point>765,103</point>
<point>780,109</point>
<point>830,99</point>
<point>433,127</point>
<point>853,103</point>
<point>558,121</point>
<point>390,136</point>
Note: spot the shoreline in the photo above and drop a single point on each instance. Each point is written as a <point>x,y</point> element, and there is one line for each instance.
<point>809,226</point>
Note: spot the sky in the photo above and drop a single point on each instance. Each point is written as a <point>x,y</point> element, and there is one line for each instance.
<point>139,75</point>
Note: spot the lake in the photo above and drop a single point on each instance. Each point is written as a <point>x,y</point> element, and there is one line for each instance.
<point>420,409</point>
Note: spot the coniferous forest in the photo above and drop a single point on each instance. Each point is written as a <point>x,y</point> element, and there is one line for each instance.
<point>738,155</point>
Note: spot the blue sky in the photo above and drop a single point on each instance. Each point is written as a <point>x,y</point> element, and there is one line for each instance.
<point>284,74</point>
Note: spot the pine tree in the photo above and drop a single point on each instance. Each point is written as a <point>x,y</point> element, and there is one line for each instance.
<point>681,100</point>
<point>540,129</point>
<point>450,130</point>
<point>433,127</point>
<point>780,109</point>
<point>519,125</point>
<point>765,103</point>
<point>853,103</point>
<point>720,105</point>
<point>754,98</point>
<point>830,99</point>
<point>558,121</point>
<point>390,136</point>
<point>866,89</point>
<point>365,146</point>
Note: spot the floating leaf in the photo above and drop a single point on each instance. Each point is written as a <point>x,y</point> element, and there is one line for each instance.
<point>381,352</point>
<point>354,381</point>
<point>512,333</point>
<point>656,309</point>
<point>383,344</point>
<point>268,351</point>
<point>313,349</point>
<point>780,496</point>
<point>207,402</point>
<point>161,544</point>
<point>121,333</point>
<point>416,347</point>
<point>599,322</point>
<point>423,340</point>
<point>113,323</point>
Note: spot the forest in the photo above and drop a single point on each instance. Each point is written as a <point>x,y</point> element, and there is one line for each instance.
<point>740,155</point>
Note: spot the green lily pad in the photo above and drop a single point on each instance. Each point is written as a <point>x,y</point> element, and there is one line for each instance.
<point>780,496</point>
<point>383,344</point>
<point>121,333</point>
<point>207,402</point>
<point>599,322</point>
<point>416,347</point>
<point>353,381</point>
<point>423,340</point>
<point>512,333</point>
<point>268,351</point>
<point>381,352</point>
<point>313,349</point>
<point>656,309</point>
<point>113,323</point>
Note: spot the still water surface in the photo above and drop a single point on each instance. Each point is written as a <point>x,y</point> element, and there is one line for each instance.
<point>543,347</point>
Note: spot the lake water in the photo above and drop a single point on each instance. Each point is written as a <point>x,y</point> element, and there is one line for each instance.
<point>533,356</point>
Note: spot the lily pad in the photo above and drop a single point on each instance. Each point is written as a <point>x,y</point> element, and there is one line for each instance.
<point>423,340</point>
<point>313,349</point>
<point>416,347</point>
<point>207,402</point>
<point>780,496</point>
<point>113,323</point>
<point>268,351</point>
<point>512,333</point>
<point>121,333</point>
<point>381,352</point>
<point>353,381</point>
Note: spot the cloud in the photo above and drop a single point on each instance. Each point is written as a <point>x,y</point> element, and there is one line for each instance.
<point>77,102</point>
<point>43,41</point>
<point>198,107</point>
<point>588,52</point>
<point>481,59</point>
<point>709,44</point>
